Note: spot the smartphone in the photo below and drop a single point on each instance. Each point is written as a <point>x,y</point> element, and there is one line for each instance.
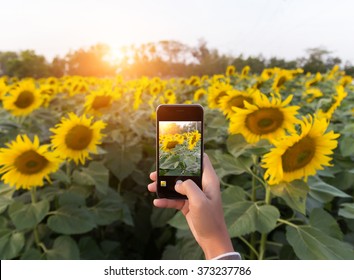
<point>179,146</point>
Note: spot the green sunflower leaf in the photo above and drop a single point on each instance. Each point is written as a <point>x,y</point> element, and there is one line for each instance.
<point>236,145</point>
<point>71,220</point>
<point>323,221</point>
<point>64,248</point>
<point>293,193</point>
<point>324,192</point>
<point>11,243</point>
<point>25,216</point>
<point>246,217</point>
<point>99,173</point>
<point>179,221</point>
<point>121,161</point>
<point>6,193</point>
<point>110,208</point>
<point>347,210</point>
<point>310,243</point>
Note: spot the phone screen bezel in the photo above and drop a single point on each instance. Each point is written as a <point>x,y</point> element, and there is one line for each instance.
<point>178,112</point>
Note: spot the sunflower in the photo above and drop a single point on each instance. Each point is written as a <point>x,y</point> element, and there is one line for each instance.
<point>137,98</point>
<point>267,119</point>
<point>75,137</point>
<point>267,73</point>
<point>346,80</point>
<point>281,77</point>
<point>299,156</point>
<point>47,93</point>
<point>230,70</point>
<point>23,98</point>
<point>155,89</point>
<point>169,142</point>
<point>194,81</point>
<point>333,72</point>
<point>199,93</point>
<point>193,139</point>
<point>338,98</point>
<point>314,81</point>
<point>78,86</point>
<point>311,94</point>
<point>3,88</point>
<point>204,78</point>
<point>235,98</point>
<point>100,100</point>
<point>245,71</point>
<point>24,164</point>
<point>215,92</point>
<point>170,96</point>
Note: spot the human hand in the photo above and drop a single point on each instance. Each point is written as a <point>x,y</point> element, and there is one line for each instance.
<point>203,210</point>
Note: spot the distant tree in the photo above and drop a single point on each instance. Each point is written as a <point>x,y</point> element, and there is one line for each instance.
<point>349,69</point>
<point>58,67</point>
<point>6,59</point>
<point>315,61</point>
<point>281,63</point>
<point>256,63</point>
<point>90,62</point>
<point>25,64</point>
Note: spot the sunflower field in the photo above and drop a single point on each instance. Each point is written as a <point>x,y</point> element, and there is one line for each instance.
<point>76,153</point>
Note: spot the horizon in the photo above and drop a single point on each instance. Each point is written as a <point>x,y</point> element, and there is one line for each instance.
<point>278,28</point>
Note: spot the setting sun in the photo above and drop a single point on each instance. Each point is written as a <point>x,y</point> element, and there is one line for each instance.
<point>115,55</point>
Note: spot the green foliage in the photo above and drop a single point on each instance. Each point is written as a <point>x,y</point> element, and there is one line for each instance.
<point>246,217</point>
<point>102,209</point>
<point>310,243</point>
<point>293,193</point>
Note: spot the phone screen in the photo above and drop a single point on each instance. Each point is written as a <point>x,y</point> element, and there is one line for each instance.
<point>180,148</point>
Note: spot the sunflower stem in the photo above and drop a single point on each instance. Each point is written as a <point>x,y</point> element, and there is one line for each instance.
<point>68,171</point>
<point>262,246</point>
<point>33,195</point>
<point>35,230</point>
<point>119,189</point>
<point>281,221</point>
<point>253,250</point>
<point>253,253</point>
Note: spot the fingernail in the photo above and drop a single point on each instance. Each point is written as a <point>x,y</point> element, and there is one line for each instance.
<point>179,182</point>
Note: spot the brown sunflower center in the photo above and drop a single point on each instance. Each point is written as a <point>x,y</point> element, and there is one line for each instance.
<point>230,71</point>
<point>259,84</point>
<point>171,144</point>
<point>193,81</point>
<point>281,81</point>
<point>30,162</point>
<point>298,155</point>
<point>313,83</point>
<point>265,120</point>
<point>24,99</point>
<point>101,102</point>
<point>78,138</point>
<point>219,95</point>
<point>237,101</point>
<point>194,139</point>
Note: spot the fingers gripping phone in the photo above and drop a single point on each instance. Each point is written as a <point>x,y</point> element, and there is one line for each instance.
<point>179,146</point>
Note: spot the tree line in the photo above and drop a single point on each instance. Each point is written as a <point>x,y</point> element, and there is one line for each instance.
<point>163,59</point>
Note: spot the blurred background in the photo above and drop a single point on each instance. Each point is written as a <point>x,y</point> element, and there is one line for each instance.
<point>168,38</point>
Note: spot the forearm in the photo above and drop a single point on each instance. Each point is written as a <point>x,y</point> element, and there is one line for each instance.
<point>217,245</point>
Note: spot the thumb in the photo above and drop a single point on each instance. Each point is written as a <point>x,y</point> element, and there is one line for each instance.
<point>191,190</point>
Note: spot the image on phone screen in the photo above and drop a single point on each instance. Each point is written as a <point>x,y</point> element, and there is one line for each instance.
<point>180,148</point>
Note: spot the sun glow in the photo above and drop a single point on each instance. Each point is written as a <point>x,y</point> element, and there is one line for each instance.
<point>115,55</point>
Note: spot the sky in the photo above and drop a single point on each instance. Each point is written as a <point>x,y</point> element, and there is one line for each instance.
<point>282,28</point>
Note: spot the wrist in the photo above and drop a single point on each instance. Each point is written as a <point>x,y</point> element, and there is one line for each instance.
<point>217,246</point>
